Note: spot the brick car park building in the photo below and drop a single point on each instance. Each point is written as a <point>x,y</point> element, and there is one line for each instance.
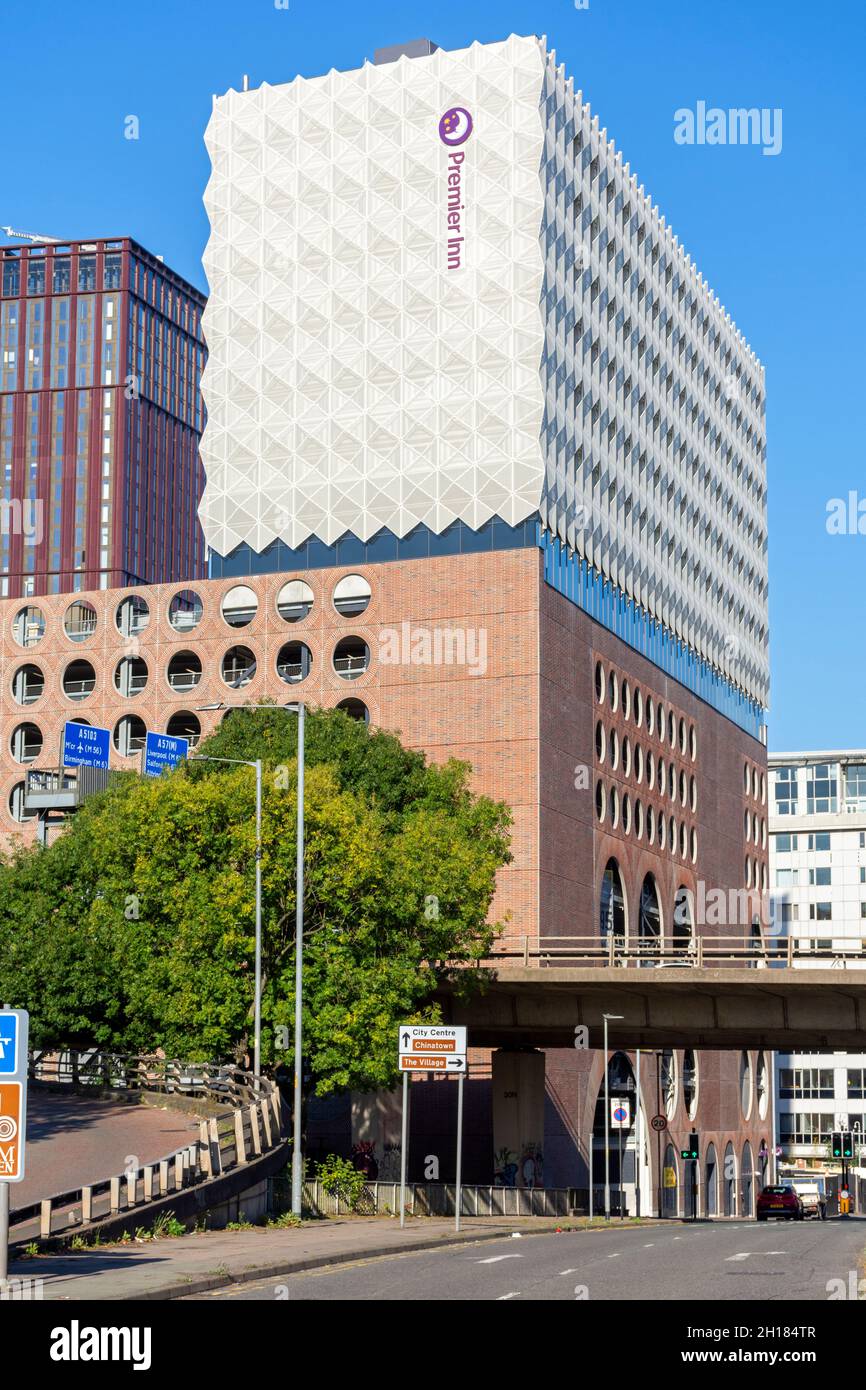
<point>514,511</point>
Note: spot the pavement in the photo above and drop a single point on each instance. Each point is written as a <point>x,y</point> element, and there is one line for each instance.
<point>194,1264</point>
<point>716,1263</point>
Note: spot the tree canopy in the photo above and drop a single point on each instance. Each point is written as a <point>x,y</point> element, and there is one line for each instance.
<point>135,928</point>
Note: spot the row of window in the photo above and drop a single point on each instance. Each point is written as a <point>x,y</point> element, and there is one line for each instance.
<point>615,811</point>
<point>238,607</point>
<point>608,749</point>
<point>814,1083</point>
<point>350,659</point>
<point>822,781</point>
<point>647,712</point>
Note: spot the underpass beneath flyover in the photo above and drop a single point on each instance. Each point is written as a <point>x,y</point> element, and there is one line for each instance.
<point>781,1009</point>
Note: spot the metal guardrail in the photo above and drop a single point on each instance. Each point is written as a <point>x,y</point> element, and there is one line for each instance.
<point>438,1199</point>
<point>251,1125</point>
<point>696,951</point>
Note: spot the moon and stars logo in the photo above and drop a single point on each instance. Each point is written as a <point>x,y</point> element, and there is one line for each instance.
<point>455,126</point>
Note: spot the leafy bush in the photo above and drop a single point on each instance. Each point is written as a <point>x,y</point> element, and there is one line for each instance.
<point>340,1177</point>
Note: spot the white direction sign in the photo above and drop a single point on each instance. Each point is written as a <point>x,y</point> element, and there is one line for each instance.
<point>431,1038</point>
<point>432,1047</point>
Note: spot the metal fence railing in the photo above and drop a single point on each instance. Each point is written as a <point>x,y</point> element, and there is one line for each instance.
<point>740,949</point>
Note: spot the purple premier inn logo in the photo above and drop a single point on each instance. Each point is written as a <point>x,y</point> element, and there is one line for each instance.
<point>455,127</point>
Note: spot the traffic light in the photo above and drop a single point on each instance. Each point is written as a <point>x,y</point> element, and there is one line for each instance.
<point>836,1144</point>
<point>847,1144</point>
<point>692,1150</point>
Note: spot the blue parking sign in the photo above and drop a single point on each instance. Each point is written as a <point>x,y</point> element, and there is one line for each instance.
<point>84,746</point>
<point>8,1043</point>
<point>162,751</point>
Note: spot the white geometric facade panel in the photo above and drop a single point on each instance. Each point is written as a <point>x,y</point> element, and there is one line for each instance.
<point>373,326</point>
<point>654,433</point>
<point>548,348</point>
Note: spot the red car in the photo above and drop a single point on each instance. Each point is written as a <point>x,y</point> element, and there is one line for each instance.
<point>781,1201</point>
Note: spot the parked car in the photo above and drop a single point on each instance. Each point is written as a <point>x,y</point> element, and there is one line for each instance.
<point>813,1200</point>
<point>780,1201</point>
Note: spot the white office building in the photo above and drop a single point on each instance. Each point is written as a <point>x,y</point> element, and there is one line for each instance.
<point>818,878</point>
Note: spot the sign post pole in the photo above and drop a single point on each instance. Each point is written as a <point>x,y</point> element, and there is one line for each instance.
<point>459,1186</point>
<point>4,1232</point>
<point>14,1029</point>
<point>404,1148</point>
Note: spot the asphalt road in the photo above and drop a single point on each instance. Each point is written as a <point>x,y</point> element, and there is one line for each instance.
<point>771,1262</point>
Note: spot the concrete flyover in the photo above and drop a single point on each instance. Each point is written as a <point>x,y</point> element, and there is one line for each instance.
<point>781,1008</point>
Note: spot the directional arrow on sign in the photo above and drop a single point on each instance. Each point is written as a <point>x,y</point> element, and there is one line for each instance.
<point>406,1039</point>
<point>454,1064</point>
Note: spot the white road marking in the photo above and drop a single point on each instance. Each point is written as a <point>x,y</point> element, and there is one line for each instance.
<point>615,1256</point>
<point>649,1245</point>
<point>494,1259</point>
<point>737,1257</point>
<point>568,1271</point>
<point>503,1296</point>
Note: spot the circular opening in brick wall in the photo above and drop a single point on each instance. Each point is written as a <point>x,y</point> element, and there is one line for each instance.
<point>352,595</point>
<point>26,743</point>
<point>80,621</point>
<point>131,616</point>
<point>626,700</point>
<point>295,601</point>
<point>351,658</point>
<point>184,724</point>
<point>238,667</point>
<point>79,680</point>
<point>130,676</point>
<point>28,684</point>
<point>600,802</point>
<point>599,741</point>
<point>355,709</point>
<point>129,734</point>
<point>28,626</point>
<point>17,809</point>
<point>294,662</point>
<point>599,682</point>
<point>185,610</point>
<point>239,606</point>
<point>184,671</point>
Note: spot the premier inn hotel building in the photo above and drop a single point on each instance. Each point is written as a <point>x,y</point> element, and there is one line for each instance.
<point>485,465</point>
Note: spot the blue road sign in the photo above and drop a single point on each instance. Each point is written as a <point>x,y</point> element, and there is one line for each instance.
<point>162,751</point>
<point>8,1043</point>
<point>84,746</point>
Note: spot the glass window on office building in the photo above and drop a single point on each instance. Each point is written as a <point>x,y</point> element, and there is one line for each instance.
<point>807,1083</point>
<point>61,276</point>
<point>786,791</point>
<point>111,273</point>
<point>822,789</point>
<point>35,275</point>
<point>855,787</point>
<point>11,273</point>
<point>784,844</point>
<point>805,1128</point>
<point>819,842</point>
<point>87,272</point>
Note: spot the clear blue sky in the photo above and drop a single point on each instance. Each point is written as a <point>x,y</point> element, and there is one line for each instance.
<point>780,239</point>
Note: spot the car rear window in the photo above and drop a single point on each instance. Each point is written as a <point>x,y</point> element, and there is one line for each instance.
<point>777,1191</point>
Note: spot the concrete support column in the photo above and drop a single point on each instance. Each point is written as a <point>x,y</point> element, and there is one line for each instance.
<point>518,1118</point>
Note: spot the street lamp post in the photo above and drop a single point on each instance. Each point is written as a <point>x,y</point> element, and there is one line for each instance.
<point>298,708</point>
<point>607,1121</point>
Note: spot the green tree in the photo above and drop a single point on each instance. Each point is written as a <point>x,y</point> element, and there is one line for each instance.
<point>135,929</point>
